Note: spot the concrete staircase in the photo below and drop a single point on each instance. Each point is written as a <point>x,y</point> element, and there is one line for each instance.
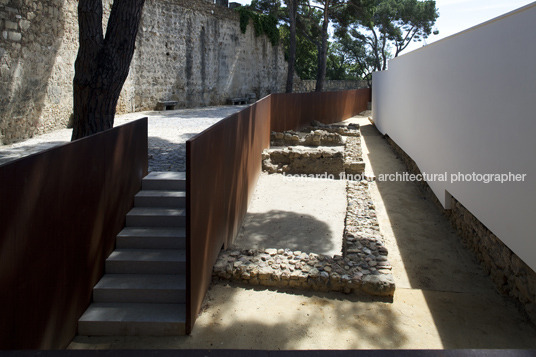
<point>143,291</point>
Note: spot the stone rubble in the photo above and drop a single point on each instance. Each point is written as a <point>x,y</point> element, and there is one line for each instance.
<point>313,138</point>
<point>325,149</point>
<point>353,156</point>
<point>341,129</point>
<point>281,268</point>
<point>304,160</point>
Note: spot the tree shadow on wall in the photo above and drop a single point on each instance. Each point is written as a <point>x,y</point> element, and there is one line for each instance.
<point>27,66</point>
<point>284,229</point>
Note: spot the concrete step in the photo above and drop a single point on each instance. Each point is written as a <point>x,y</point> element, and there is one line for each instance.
<point>151,238</point>
<point>157,198</point>
<point>165,181</point>
<point>146,261</point>
<point>156,217</point>
<point>140,288</point>
<point>123,319</point>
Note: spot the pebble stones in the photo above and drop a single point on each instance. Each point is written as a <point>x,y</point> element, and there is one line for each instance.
<point>304,271</point>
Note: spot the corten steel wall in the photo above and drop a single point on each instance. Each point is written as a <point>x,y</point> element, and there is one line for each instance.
<point>223,164</point>
<point>292,111</point>
<point>60,211</point>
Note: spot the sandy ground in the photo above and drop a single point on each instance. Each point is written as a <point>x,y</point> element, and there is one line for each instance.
<point>295,213</point>
<point>443,298</point>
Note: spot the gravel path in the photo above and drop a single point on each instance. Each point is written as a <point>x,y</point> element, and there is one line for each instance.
<point>168,133</point>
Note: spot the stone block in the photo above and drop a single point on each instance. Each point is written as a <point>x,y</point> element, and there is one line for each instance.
<point>15,36</point>
<point>24,25</point>
<point>380,285</point>
<point>10,25</point>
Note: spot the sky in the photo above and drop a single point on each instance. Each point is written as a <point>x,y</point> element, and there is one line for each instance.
<point>458,15</point>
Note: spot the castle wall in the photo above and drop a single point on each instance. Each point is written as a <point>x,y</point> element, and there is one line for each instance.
<point>195,54</point>
<point>189,51</point>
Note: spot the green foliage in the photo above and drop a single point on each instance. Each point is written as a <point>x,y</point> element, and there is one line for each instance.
<point>372,31</point>
<point>387,23</point>
<point>339,64</point>
<point>263,24</point>
<point>306,54</point>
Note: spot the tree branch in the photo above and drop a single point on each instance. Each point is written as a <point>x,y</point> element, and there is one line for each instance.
<point>404,43</point>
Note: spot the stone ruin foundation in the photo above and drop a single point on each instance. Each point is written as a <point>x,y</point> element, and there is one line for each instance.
<point>333,150</point>
<point>362,267</point>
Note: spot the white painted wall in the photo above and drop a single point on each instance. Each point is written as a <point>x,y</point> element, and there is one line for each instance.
<point>468,104</point>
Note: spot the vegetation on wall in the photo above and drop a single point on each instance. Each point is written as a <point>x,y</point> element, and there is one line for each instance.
<point>263,24</point>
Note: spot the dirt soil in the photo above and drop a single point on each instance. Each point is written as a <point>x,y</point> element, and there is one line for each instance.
<point>443,298</point>
<point>299,214</point>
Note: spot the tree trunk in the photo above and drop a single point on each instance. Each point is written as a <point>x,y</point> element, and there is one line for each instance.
<point>103,63</point>
<point>292,11</point>
<point>323,53</point>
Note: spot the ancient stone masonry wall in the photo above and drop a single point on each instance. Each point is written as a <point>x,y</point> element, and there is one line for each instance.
<point>330,150</point>
<point>509,273</point>
<point>192,52</point>
<point>36,45</point>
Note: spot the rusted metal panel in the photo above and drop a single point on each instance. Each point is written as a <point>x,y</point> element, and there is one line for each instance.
<point>292,111</point>
<point>60,211</point>
<point>223,165</point>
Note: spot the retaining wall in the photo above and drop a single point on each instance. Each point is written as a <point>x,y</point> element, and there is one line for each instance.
<point>309,85</point>
<point>60,212</point>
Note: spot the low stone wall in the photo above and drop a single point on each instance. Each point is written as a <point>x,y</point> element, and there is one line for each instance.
<point>283,268</point>
<point>309,85</point>
<point>297,160</point>
<point>353,157</point>
<point>509,273</point>
<point>341,129</point>
<point>314,138</point>
<point>333,150</point>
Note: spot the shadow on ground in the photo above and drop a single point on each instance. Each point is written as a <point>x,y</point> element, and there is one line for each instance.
<point>18,152</point>
<point>464,304</point>
<point>284,229</point>
<point>316,320</point>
